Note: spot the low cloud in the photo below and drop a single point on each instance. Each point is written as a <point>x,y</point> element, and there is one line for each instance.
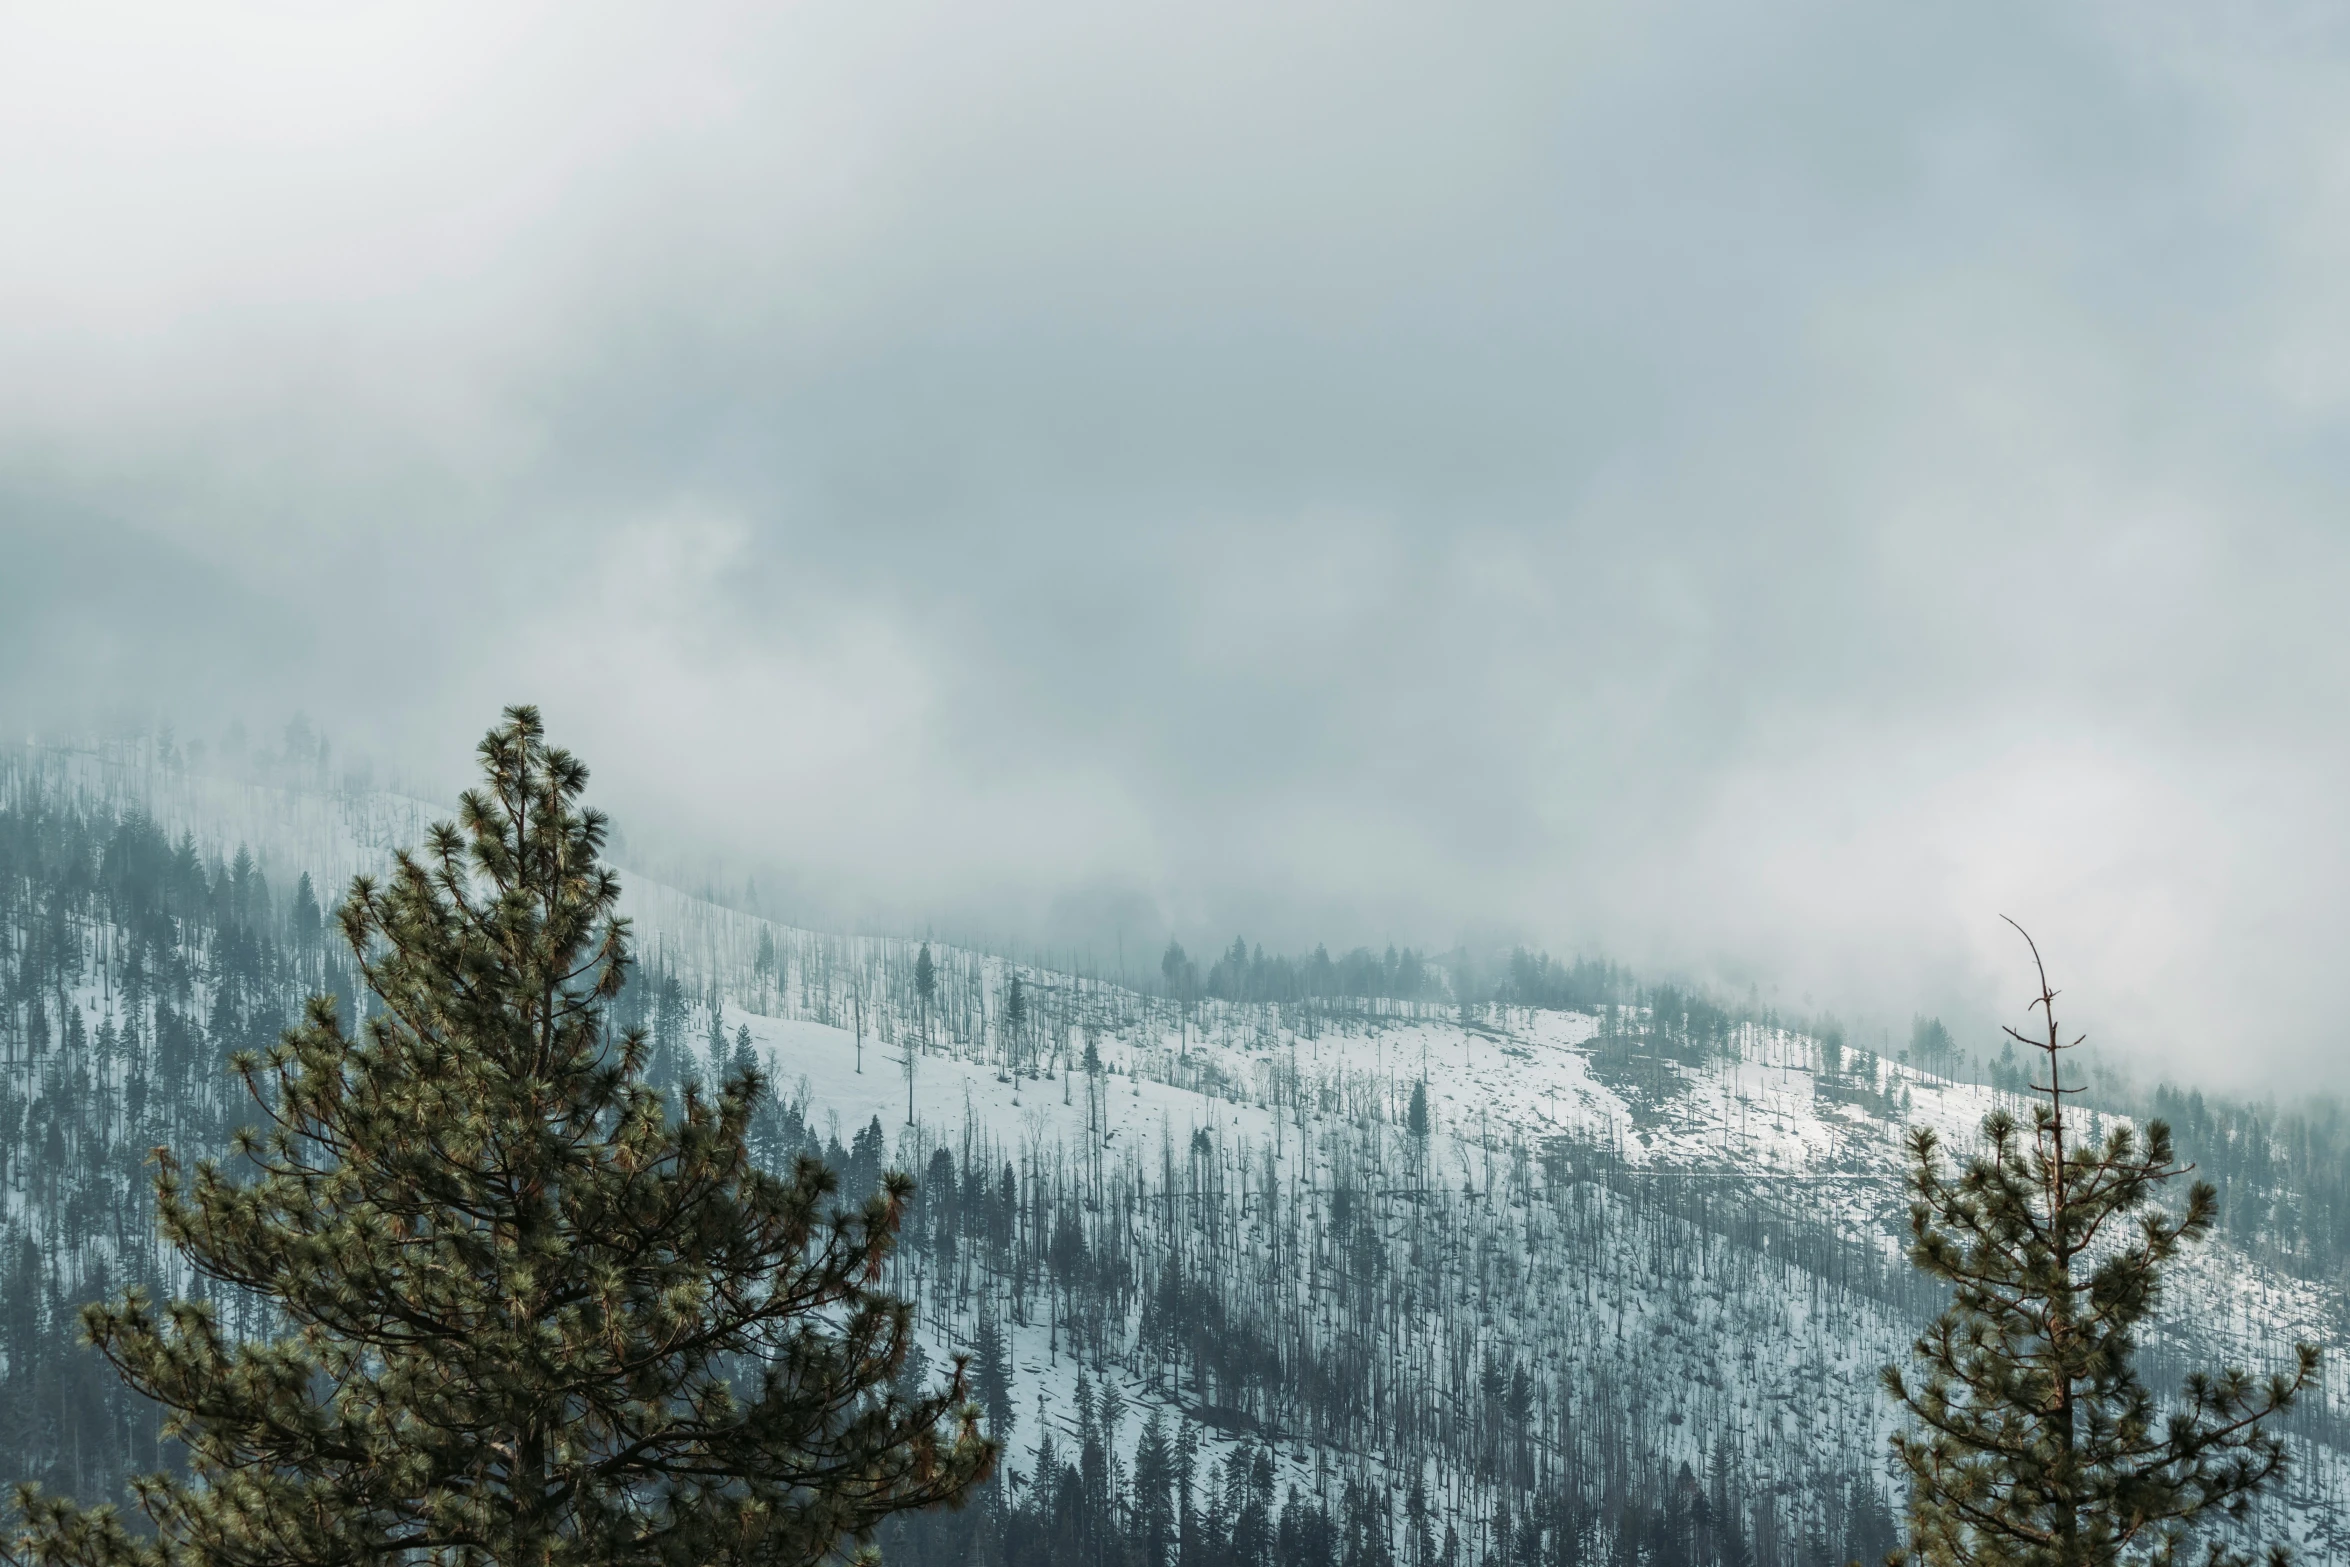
<point>1759,495</point>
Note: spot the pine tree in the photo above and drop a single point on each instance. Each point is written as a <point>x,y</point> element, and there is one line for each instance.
<point>1154,1479</point>
<point>991,1376</point>
<point>307,920</point>
<point>529,1314</point>
<point>2035,1443</point>
<point>716,1046</point>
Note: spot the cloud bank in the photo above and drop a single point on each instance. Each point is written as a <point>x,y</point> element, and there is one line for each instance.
<point>1758,493</point>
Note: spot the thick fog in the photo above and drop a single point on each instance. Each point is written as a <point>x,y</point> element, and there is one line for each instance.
<point>1757,491</point>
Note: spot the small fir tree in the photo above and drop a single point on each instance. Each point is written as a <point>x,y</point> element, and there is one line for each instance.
<point>306,919</point>
<point>529,1316</point>
<point>2034,1442</point>
<point>717,1047</point>
<point>1154,1502</point>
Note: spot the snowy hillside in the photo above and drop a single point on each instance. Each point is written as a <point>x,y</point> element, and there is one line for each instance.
<point>1501,1272</point>
<point>1704,1263</point>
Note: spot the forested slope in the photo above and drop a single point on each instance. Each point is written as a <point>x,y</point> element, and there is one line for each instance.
<point>1271,1267</point>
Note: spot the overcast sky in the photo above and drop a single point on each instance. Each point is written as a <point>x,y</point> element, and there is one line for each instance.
<point>1757,490</point>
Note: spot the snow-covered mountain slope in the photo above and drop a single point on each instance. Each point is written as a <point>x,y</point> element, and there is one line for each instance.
<point>1605,1254</point>
<point>1709,1257</point>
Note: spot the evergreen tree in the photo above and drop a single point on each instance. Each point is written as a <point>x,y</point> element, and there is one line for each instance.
<point>2035,1442</point>
<point>991,1376</point>
<point>1154,1503</point>
<point>867,1152</point>
<point>716,1046</point>
<point>307,920</point>
<point>669,1016</point>
<point>528,1316</point>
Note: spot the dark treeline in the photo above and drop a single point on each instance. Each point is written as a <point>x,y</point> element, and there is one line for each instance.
<point>1246,974</point>
<point>1685,1022</point>
<point>1536,979</point>
<point>1183,1512</point>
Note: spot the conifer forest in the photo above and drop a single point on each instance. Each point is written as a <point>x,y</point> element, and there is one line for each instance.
<point>1385,1259</point>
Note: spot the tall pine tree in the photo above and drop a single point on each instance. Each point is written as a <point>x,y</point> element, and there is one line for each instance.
<point>2035,1443</point>
<point>528,1314</point>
